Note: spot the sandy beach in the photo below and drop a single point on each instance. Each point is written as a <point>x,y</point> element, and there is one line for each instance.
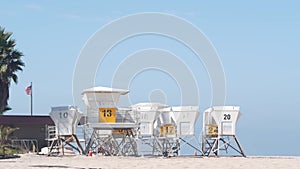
<point>104,162</point>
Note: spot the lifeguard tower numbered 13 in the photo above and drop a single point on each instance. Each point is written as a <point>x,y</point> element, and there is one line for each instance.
<point>110,135</point>
<point>218,133</point>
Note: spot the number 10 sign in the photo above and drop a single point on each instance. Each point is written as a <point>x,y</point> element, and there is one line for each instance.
<point>107,115</point>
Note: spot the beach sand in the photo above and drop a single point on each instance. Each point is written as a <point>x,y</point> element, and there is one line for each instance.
<point>105,162</point>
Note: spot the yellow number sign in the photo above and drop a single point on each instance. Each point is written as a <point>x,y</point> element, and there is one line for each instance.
<point>167,130</point>
<point>120,131</point>
<point>213,131</point>
<point>107,115</point>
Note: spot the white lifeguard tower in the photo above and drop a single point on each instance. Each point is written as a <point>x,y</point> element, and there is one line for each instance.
<point>161,127</point>
<point>218,133</point>
<point>165,132</point>
<point>112,133</point>
<point>186,118</point>
<point>145,116</point>
<point>66,119</point>
<point>173,125</point>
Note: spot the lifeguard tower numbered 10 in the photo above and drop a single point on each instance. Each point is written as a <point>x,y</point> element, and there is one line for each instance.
<point>111,134</point>
<point>218,133</point>
<point>66,119</point>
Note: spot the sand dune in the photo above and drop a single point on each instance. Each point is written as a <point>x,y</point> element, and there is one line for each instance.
<point>104,162</point>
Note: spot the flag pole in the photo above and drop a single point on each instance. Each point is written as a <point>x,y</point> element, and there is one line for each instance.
<point>31,99</point>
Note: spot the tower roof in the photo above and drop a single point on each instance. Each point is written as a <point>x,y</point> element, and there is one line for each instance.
<point>101,89</point>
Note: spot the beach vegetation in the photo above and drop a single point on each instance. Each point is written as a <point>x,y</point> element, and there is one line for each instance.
<point>10,63</point>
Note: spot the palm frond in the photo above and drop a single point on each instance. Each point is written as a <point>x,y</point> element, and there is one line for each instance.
<point>15,78</point>
<point>15,54</point>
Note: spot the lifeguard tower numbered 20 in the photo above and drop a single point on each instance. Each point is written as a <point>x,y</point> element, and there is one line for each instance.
<point>218,133</point>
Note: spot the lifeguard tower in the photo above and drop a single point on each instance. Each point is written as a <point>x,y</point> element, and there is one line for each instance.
<point>145,116</point>
<point>218,133</point>
<point>173,124</point>
<point>111,134</point>
<point>186,118</point>
<point>66,119</point>
<point>165,132</point>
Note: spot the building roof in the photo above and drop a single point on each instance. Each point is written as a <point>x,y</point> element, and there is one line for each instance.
<point>25,120</point>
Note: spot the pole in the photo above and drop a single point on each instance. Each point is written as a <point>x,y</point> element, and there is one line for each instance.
<point>31,99</point>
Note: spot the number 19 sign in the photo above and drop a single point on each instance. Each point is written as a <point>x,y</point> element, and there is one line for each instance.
<point>107,115</point>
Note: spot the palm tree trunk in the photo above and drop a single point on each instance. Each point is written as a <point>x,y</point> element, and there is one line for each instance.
<point>4,94</point>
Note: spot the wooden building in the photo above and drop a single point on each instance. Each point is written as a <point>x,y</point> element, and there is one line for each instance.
<point>29,127</point>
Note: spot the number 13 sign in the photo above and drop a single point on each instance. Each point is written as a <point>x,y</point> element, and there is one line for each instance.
<point>107,115</point>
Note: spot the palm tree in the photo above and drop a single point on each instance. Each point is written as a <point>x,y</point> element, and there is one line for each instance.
<point>5,132</point>
<point>10,64</point>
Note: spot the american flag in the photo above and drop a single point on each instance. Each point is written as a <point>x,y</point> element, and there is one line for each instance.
<point>28,90</point>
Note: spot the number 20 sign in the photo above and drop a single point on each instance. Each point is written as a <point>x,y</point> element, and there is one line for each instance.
<point>107,115</point>
<point>227,116</point>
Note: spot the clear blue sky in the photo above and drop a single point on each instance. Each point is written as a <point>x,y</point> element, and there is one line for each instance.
<point>257,42</point>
